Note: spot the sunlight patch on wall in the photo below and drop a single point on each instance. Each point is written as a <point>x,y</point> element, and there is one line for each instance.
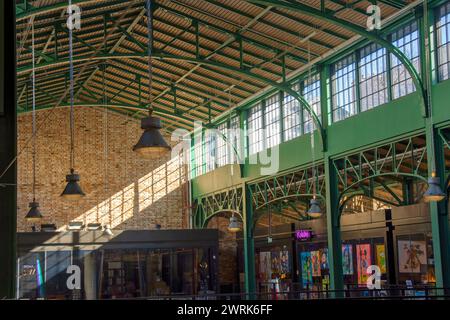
<point>133,199</point>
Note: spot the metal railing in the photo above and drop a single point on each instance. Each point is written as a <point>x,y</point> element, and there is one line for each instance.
<point>355,292</point>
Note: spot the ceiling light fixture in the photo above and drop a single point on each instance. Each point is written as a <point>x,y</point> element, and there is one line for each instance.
<point>73,190</point>
<point>234,226</point>
<point>34,215</point>
<point>151,144</point>
<point>107,231</point>
<point>434,191</point>
<point>314,209</point>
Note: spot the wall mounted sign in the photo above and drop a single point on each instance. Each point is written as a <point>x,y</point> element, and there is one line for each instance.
<point>303,235</point>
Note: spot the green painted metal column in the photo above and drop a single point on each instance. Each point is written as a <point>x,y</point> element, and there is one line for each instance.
<point>249,245</point>
<point>331,189</point>
<point>333,227</point>
<point>439,216</point>
<point>435,155</point>
<point>8,131</point>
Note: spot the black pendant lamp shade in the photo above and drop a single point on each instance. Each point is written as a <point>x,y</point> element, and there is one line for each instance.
<point>73,190</point>
<point>151,144</point>
<point>34,215</point>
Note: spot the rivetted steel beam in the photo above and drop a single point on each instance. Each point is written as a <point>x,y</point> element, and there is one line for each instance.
<point>328,16</point>
<point>165,56</point>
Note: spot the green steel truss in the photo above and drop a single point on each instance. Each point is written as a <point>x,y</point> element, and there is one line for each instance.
<point>226,202</point>
<point>279,191</point>
<point>384,173</point>
<point>300,184</point>
<point>395,161</point>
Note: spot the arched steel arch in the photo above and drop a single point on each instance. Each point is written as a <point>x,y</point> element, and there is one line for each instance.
<point>285,87</point>
<point>363,192</point>
<point>210,205</point>
<point>259,213</point>
<point>327,16</point>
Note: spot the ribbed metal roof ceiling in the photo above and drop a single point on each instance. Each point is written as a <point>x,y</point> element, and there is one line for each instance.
<point>269,35</point>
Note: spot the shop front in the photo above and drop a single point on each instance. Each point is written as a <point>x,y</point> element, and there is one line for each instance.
<point>130,264</point>
<point>396,243</point>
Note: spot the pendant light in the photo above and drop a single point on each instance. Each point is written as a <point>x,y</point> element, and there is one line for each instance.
<point>34,215</point>
<point>434,192</point>
<point>151,144</point>
<point>314,208</point>
<point>234,226</point>
<point>73,190</point>
<point>107,231</point>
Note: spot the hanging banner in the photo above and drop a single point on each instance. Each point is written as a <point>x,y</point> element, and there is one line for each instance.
<point>411,255</point>
<point>305,258</point>
<point>363,261</point>
<point>315,261</point>
<point>381,257</point>
<point>347,259</point>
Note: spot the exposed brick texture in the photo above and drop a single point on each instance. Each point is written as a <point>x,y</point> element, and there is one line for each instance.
<point>122,189</point>
<point>227,251</point>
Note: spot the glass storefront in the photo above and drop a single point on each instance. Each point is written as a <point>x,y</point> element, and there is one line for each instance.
<point>115,272</point>
<point>403,254</point>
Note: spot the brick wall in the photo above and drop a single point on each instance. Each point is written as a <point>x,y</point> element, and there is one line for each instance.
<point>227,251</point>
<point>122,189</point>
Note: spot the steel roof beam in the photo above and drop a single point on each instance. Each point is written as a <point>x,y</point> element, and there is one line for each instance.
<point>281,42</point>
<point>270,24</point>
<point>131,86</point>
<point>133,97</point>
<point>164,56</point>
<point>191,91</point>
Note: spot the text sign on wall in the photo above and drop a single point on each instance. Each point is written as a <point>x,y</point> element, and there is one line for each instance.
<point>303,235</point>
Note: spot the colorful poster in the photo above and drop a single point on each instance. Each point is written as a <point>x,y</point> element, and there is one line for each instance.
<point>347,259</point>
<point>315,261</point>
<point>265,269</point>
<point>305,258</point>
<point>381,257</point>
<point>275,255</point>
<point>363,261</point>
<point>324,260</point>
<point>284,263</point>
<point>411,254</point>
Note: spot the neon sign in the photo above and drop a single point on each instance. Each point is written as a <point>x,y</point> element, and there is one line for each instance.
<point>303,235</point>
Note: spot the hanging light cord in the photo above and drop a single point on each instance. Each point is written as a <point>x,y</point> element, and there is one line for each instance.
<point>84,65</point>
<point>105,120</point>
<point>150,49</point>
<point>33,80</point>
<point>428,82</point>
<point>312,132</point>
<point>72,120</point>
